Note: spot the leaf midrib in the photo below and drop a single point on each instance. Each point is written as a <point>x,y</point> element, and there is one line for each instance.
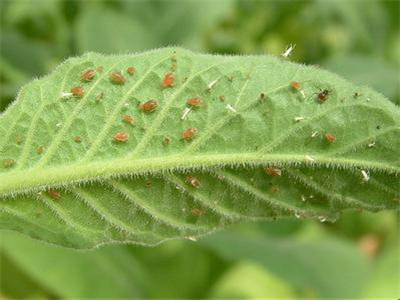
<point>22,181</point>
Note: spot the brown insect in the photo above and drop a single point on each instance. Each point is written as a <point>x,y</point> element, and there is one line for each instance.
<point>131,70</point>
<point>40,150</point>
<point>193,181</point>
<point>54,194</point>
<point>274,189</point>
<point>272,171</point>
<point>77,139</point>
<point>262,97</point>
<point>149,106</point>
<point>330,137</point>
<point>166,141</point>
<point>295,85</point>
<point>117,78</point>
<point>88,75</point>
<point>195,102</point>
<point>78,91</point>
<point>323,95</point>
<point>121,137</point>
<point>8,163</point>
<point>189,134</point>
<point>169,80</point>
<point>197,212</point>
<point>222,98</point>
<point>128,119</point>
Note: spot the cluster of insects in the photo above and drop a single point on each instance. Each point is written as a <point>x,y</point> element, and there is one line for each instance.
<point>169,80</point>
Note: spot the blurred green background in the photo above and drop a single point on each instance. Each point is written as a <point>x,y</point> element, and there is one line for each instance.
<point>355,257</point>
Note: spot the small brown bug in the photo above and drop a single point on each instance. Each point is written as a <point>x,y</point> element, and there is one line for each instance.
<point>78,91</point>
<point>149,106</point>
<point>274,189</point>
<point>193,181</point>
<point>121,137</point>
<point>169,80</point>
<point>77,139</point>
<point>8,163</point>
<point>295,85</point>
<point>195,102</point>
<point>189,133</point>
<point>128,119</point>
<point>131,70</point>
<point>54,194</point>
<point>323,95</point>
<point>262,97</point>
<point>166,141</point>
<point>148,183</point>
<point>197,212</point>
<point>330,137</point>
<point>222,98</point>
<point>40,150</point>
<point>88,75</point>
<point>117,78</point>
<point>272,171</point>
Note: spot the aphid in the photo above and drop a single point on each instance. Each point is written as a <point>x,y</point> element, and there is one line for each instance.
<point>295,85</point>
<point>121,137</point>
<point>274,189</point>
<point>222,98</point>
<point>78,91</point>
<point>288,51</point>
<point>148,183</point>
<point>197,212</point>
<point>262,97</point>
<point>323,95</point>
<point>99,96</point>
<point>378,127</point>
<point>117,78</point>
<point>8,163</point>
<point>54,194</point>
<point>356,94</point>
<point>189,134</point>
<point>365,175</point>
<point>88,75</point>
<point>40,150</point>
<point>166,141</point>
<point>77,139</point>
<point>19,140</point>
<point>193,181</point>
<point>330,137</point>
<point>131,70</point>
<point>195,102</point>
<point>149,106</point>
<point>169,80</point>
<point>273,171</point>
<point>128,119</point>
<point>186,113</point>
<point>100,69</point>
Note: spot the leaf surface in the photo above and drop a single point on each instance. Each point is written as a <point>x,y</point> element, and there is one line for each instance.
<point>261,150</point>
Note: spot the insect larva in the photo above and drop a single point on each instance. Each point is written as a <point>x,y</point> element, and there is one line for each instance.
<point>78,91</point>
<point>131,70</point>
<point>189,133</point>
<point>193,181</point>
<point>121,137</point>
<point>169,80</point>
<point>195,102</point>
<point>330,137</point>
<point>128,119</point>
<point>272,171</point>
<point>149,106</point>
<point>88,75</point>
<point>117,78</point>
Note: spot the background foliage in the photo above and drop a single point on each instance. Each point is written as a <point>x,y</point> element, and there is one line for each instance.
<point>358,256</point>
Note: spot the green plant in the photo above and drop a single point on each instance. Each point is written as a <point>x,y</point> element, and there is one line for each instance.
<point>88,160</point>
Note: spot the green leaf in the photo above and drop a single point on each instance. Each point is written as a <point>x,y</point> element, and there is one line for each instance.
<point>311,267</point>
<point>108,272</point>
<point>98,190</point>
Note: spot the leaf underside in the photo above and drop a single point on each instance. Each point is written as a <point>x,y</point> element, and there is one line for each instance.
<point>261,150</point>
